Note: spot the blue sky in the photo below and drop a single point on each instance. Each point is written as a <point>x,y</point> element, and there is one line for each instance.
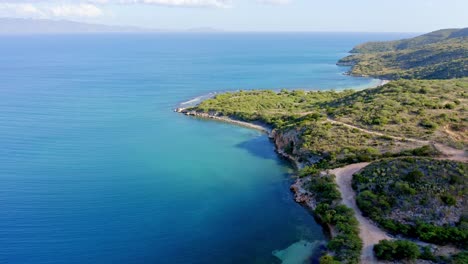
<point>253,15</point>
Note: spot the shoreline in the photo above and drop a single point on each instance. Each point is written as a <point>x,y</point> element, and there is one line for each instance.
<point>192,102</point>
<point>298,187</point>
<point>271,133</point>
<point>300,194</point>
<point>259,127</point>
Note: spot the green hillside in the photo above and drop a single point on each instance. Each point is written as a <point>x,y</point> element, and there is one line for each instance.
<point>429,38</point>
<point>441,54</point>
<point>433,110</point>
<point>418,197</point>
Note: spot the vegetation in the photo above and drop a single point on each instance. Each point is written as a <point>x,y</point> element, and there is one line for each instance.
<point>327,259</point>
<point>404,250</point>
<point>396,250</point>
<point>396,124</point>
<point>437,55</point>
<point>346,244</point>
<point>423,109</point>
<point>429,38</point>
<point>431,110</point>
<point>460,258</point>
<point>417,197</point>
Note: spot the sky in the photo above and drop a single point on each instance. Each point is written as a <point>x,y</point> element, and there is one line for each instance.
<point>253,15</point>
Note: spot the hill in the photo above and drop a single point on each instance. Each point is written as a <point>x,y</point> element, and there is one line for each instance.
<point>396,127</point>
<point>417,197</point>
<point>441,54</point>
<point>429,38</point>
<point>429,110</point>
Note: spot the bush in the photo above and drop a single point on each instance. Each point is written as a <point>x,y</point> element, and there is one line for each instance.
<point>346,245</point>
<point>404,189</point>
<point>449,106</point>
<point>324,188</point>
<point>372,204</point>
<point>460,258</point>
<point>427,254</point>
<point>396,250</point>
<point>414,176</point>
<point>448,199</point>
<point>327,259</point>
<point>385,250</point>
<point>428,124</point>
<point>425,151</point>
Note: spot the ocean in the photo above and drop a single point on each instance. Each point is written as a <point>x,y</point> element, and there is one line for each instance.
<point>95,167</point>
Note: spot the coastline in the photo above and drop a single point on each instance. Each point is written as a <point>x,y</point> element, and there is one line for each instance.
<point>260,127</point>
<point>184,108</point>
<point>299,192</point>
<point>299,185</point>
<point>271,133</point>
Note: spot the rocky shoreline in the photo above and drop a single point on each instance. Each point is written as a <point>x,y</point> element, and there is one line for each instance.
<point>216,116</point>
<point>281,141</point>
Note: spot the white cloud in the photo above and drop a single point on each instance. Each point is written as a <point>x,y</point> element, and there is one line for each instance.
<point>80,10</point>
<point>173,3</point>
<point>20,10</point>
<point>30,10</point>
<point>91,8</point>
<point>275,2</point>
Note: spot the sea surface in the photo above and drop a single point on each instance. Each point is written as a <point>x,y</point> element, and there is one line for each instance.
<point>96,168</point>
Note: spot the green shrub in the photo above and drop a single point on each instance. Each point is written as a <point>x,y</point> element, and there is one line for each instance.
<point>385,250</point>
<point>324,188</point>
<point>427,254</point>
<point>347,247</point>
<point>425,151</point>
<point>414,176</point>
<point>396,250</point>
<point>460,258</point>
<point>404,189</point>
<point>448,199</point>
<point>428,124</point>
<point>449,106</point>
<point>327,259</point>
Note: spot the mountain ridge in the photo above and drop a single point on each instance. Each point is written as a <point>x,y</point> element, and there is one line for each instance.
<point>442,54</point>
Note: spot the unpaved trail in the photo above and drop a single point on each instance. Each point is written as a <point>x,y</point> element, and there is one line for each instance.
<point>368,231</point>
<point>452,153</point>
<point>377,133</point>
<point>449,152</point>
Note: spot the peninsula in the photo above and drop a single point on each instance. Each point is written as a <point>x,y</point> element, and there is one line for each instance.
<point>385,169</point>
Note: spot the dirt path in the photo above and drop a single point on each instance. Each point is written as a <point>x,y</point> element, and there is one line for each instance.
<point>449,152</point>
<point>368,231</point>
<point>452,153</point>
<point>377,133</point>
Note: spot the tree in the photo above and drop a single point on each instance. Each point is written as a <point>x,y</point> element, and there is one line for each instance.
<point>327,259</point>
<point>396,250</point>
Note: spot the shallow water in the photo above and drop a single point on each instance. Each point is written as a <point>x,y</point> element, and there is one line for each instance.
<point>96,168</point>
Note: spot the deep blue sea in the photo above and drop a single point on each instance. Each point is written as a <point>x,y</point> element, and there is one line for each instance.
<point>96,168</point>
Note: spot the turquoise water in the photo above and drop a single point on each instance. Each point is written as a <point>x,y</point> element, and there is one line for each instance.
<point>96,168</point>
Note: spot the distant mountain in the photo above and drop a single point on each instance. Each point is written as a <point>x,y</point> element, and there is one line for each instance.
<point>204,30</point>
<point>44,26</point>
<point>441,54</point>
<point>429,38</point>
